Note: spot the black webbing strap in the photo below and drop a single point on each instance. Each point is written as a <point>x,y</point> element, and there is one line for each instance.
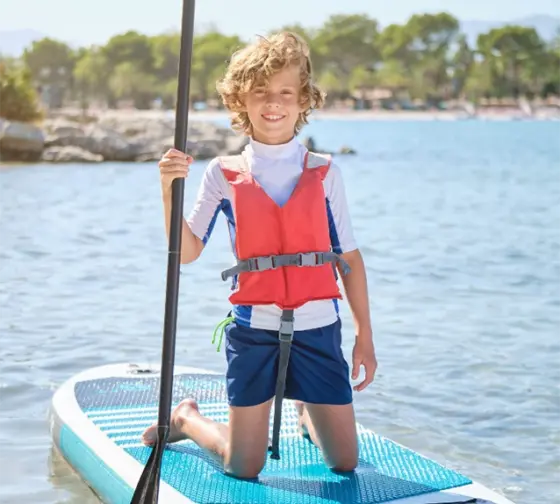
<point>286,335</point>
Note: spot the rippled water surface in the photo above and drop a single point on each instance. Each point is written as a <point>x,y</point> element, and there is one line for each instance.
<point>459,226</point>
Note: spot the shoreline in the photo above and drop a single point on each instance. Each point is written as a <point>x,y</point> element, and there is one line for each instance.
<point>97,135</point>
<point>350,115</point>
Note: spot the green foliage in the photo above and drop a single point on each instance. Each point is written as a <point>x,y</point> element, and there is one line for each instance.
<point>18,99</point>
<point>49,61</point>
<point>165,51</point>
<point>129,82</point>
<point>130,47</point>
<point>211,54</point>
<point>427,58</point>
<point>513,54</point>
<point>345,42</point>
<point>91,75</point>
<point>51,64</point>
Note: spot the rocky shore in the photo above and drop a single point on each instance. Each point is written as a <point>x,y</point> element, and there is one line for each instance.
<point>126,136</point>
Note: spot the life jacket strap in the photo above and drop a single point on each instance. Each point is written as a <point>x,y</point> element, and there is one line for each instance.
<point>264,263</point>
<point>286,335</point>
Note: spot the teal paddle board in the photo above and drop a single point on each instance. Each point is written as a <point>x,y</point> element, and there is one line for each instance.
<point>98,416</point>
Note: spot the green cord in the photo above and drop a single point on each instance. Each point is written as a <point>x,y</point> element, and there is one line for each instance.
<point>221,327</point>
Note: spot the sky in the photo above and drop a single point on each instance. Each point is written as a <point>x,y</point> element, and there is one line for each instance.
<point>80,22</point>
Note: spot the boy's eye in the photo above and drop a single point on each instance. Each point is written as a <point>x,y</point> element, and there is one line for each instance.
<point>287,92</point>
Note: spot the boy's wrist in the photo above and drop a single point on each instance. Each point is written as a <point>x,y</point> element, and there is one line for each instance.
<point>364,333</point>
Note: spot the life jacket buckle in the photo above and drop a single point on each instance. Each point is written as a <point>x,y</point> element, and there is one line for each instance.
<point>286,332</point>
<point>308,259</point>
<point>261,263</point>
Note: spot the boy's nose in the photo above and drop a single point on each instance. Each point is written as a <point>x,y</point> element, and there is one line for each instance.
<point>272,101</point>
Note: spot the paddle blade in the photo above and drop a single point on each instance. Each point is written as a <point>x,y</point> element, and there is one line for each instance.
<point>147,489</point>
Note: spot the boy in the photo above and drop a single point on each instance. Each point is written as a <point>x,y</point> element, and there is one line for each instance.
<point>290,228</point>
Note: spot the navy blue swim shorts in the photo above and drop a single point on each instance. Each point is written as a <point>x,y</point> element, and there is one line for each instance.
<point>317,372</point>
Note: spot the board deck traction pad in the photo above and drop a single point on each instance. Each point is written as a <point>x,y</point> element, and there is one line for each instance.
<point>123,407</point>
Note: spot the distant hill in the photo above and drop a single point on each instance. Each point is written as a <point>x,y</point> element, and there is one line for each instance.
<point>13,42</point>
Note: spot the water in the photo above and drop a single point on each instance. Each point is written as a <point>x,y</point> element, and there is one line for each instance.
<point>458,224</point>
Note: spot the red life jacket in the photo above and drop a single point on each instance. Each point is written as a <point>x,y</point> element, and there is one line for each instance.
<point>263,229</point>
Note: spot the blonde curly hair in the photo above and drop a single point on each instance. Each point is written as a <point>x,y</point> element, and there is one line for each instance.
<point>255,64</point>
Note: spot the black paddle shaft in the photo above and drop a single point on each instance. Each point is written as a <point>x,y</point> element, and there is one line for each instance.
<point>177,191</point>
<point>147,489</point>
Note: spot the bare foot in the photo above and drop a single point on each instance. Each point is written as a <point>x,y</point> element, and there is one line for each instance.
<point>178,418</point>
<point>300,407</point>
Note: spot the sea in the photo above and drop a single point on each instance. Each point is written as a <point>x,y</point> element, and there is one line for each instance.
<point>459,226</point>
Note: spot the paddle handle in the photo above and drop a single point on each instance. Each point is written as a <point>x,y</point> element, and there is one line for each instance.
<point>177,196</point>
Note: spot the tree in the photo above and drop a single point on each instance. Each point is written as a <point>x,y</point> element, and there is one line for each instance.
<point>211,53</point>
<point>397,44</point>
<point>432,37</point>
<point>165,50</point>
<point>432,34</point>
<point>18,98</point>
<point>392,74</point>
<point>51,64</point>
<point>479,81</point>
<point>129,82</point>
<point>345,42</point>
<point>508,50</point>
<point>462,63</point>
<point>91,75</point>
<point>427,57</point>
<point>130,47</point>
<point>550,72</point>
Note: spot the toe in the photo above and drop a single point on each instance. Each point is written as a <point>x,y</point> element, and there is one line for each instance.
<point>150,435</point>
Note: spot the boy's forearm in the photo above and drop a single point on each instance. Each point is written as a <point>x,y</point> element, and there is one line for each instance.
<point>355,286</point>
<point>191,245</point>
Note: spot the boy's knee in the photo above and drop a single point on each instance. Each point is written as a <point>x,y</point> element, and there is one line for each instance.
<point>345,465</point>
<point>247,472</point>
<point>344,462</point>
<point>249,469</point>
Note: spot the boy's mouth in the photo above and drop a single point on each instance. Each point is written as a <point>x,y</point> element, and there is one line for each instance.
<point>272,117</point>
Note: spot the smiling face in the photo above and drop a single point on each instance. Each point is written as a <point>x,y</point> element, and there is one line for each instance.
<point>274,106</point>
<point>269,90</point>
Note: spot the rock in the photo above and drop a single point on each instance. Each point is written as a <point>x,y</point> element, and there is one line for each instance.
<point>141,139</point>
<point>62,135</point>
<point>96,139</point>
<point>346,150</point>
<point>235,144</point>
<point>136,127</point>
<point>309,142</point>
<point>60,127</point>
<point>148,157</point>
<point>20,141</point>
<point>209,140</point>
<point>70,154</point>
<point>120,135</point>
<point>110,144</point>
<point>199,150</point>
<point>207,149</point>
